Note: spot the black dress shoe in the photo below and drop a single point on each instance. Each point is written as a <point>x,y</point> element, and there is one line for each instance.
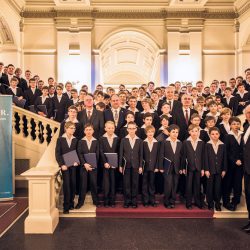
<point>79,205</point>
<point>234,207</point>
<point>246,227</point>
<point>217,207</point>
<point>112,204</point>
<point>66,211</point>
<point>134,205</point>
<point>71,207</point>
<point>228,206</point>
<point>153,204</point>
<point>210,208</point>
<point>145,204</point>
<point>125,205</point>
<point>106,205</point>
<point>97,203</point>
<point>189,207</point>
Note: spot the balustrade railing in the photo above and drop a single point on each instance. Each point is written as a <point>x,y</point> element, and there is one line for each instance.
<point>32,126</point>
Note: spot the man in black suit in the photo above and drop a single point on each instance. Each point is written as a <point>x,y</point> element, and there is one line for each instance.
<point>182,116</point>
<point>31,93</point>
<point>115,114</point>
<point>5,79</point>
<point>22,83</point>
<point>169,97</point>
<point>246,163</point>
<point>92,116</point>
<point>60,105</point>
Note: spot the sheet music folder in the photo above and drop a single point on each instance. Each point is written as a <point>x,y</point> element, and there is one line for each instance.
<point>90,158</point>
<point>112,159</point>
<point>71,158</point>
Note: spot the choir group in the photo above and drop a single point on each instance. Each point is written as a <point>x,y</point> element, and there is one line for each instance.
<point>179,139</point>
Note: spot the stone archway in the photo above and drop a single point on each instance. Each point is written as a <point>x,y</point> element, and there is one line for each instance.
<point>129,57</point>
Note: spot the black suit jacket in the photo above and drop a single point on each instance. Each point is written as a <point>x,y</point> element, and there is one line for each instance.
<point>150,158</point>
<point>179,119</point>
<point>234,150</point>
<point>30,97</point>
<point>193,159</point>
<point>2,89</point>
<point>96,119</point>
<point>105,147</point>
<point>5,80</point>
<point>246,98</point>
<point>223,132</point>
<point>22,83</point>
<point>175,158</point>
<point>108,116</point>
<point>63,148</point>
<point>19,92</point>
<point>215,163</point>
<point>233,104</point>
<point>47,103</point>
<point>246,151</point>
<point>60,109</point>
<point>133,156</point>
<point>82,148</point>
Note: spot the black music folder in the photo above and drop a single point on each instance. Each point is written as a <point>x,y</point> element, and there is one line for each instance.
<point>90,158</point>
<point>71,158</point>
<point>42,108</point>
<point>166,164</point>
<point>19,103</point>
<point>32,108</point>
<point>112,159</point>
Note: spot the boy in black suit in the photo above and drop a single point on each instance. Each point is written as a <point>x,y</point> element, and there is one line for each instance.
<point>230,101</point>
<point>44,100</point>
<point>215,168</point>
<point>192,156</point>
<point>242,97</point>
<point>171,149</point>
<point>109,143</point>
<point>224,126</point>
<point>213,111</point>
<point>147,121</point>
<point>151,149</point>
<point>162,133</point>
<point>65,144</point>
<point>234,175</point>
<point>209,123</point>
<point>60,104</point>
<point>129,117</point>
<point>130,164</point>
<point>165,109</point>
<point>14,90</point>
<point>85,146</point>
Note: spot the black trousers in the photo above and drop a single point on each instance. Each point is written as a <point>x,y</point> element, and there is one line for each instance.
<point>213,189</point>
<point>84,177</point>
<point>130,183</point>
<point>109,185</point>
<point>171,180</point>
<point>159,183</point>
<point>193,185</point>
<point>69,187</point>
<point>148,187</point>
<point>247,192</point>
<point>232,181</point>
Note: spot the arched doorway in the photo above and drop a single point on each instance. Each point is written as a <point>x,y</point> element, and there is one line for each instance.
<point>131,58</point>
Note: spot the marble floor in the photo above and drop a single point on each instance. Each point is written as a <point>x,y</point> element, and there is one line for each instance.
<point>107,233</point>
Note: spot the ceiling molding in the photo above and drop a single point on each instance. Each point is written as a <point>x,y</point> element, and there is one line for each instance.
<point>131,14</point>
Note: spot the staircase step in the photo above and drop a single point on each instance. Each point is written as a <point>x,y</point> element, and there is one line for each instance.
<point>241,212</point>
<point>160,211</point>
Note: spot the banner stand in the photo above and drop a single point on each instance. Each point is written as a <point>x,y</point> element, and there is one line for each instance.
<point>6,151</point>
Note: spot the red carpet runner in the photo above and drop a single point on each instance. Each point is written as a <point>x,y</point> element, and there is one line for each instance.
<point>160,211</point>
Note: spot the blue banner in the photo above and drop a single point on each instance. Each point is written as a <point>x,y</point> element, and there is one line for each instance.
<point>6,187</point>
